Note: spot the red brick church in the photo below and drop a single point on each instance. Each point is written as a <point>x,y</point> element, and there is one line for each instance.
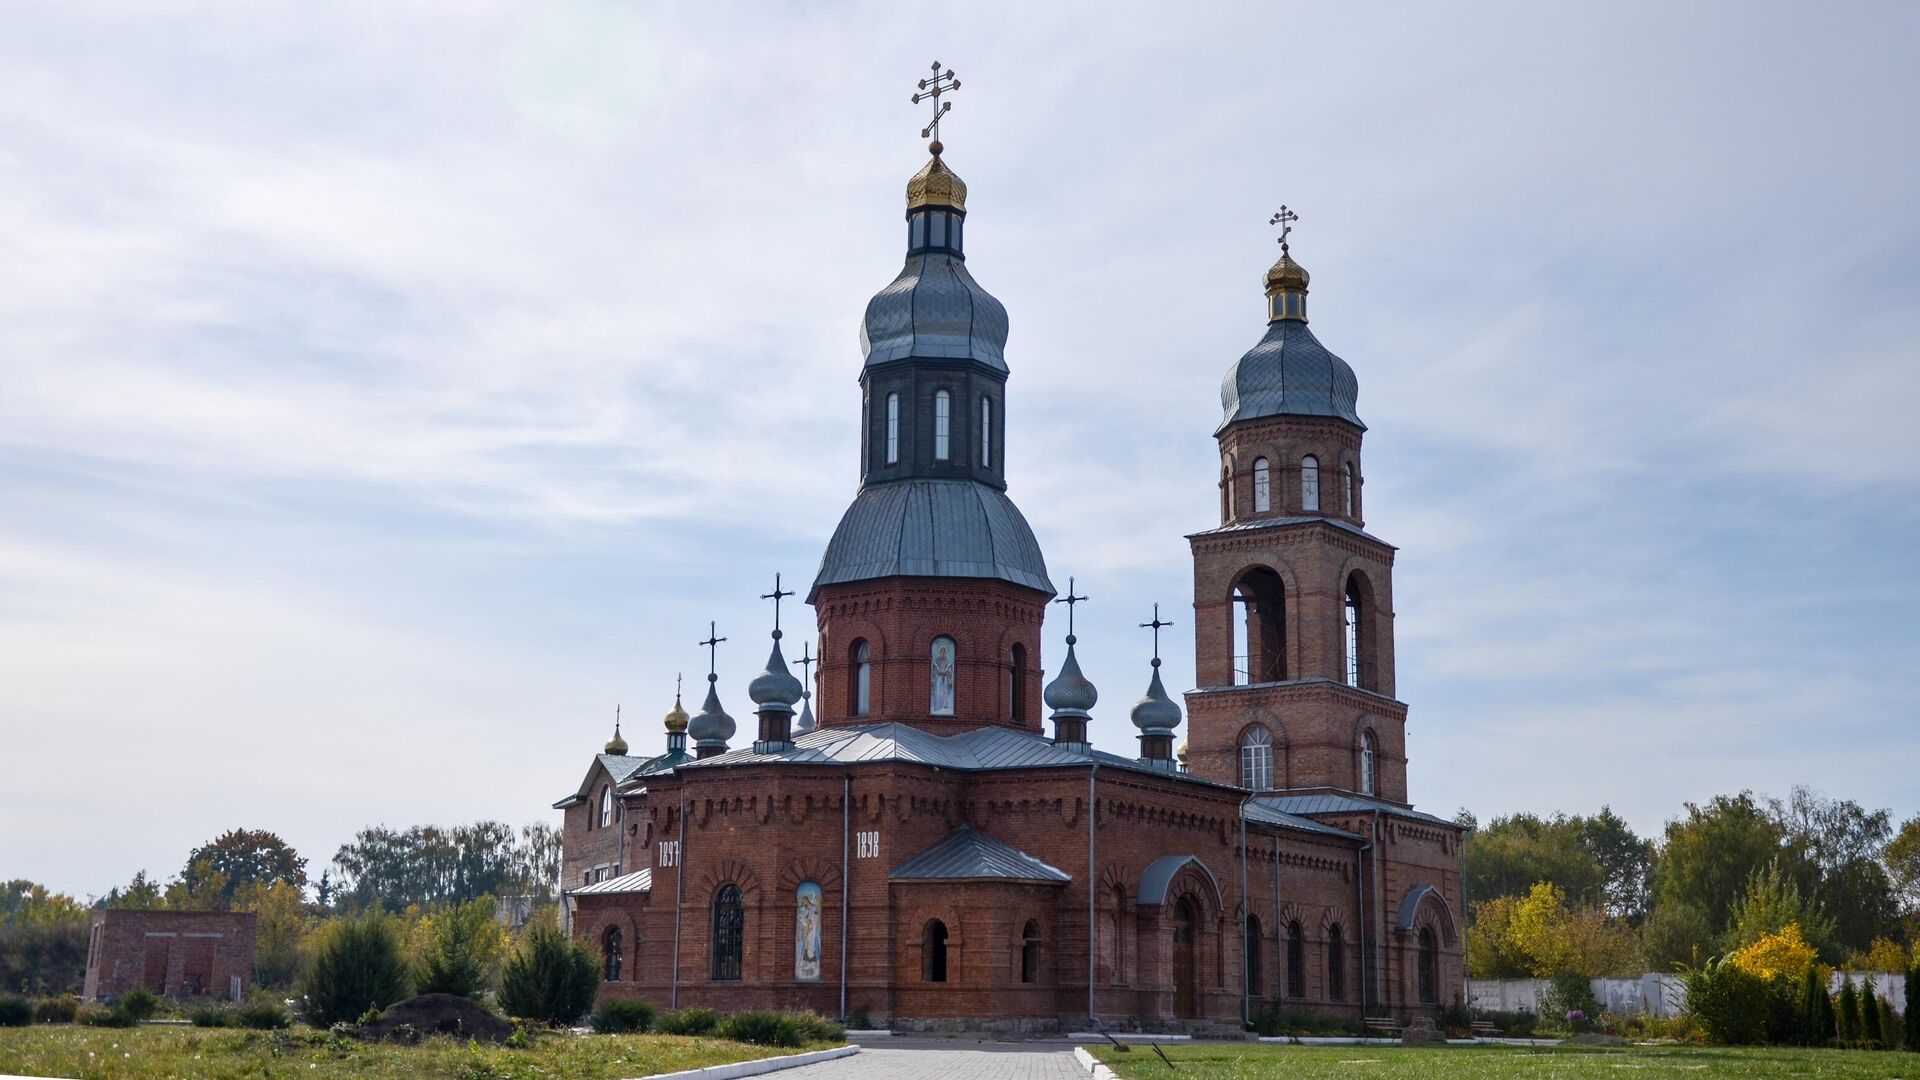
<point>928,850</point>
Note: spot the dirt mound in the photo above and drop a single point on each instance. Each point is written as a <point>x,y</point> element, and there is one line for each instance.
<point>416,1018</point>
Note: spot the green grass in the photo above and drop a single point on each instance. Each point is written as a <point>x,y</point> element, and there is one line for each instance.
<point>1244,1062</point>
<point>215,1054</point>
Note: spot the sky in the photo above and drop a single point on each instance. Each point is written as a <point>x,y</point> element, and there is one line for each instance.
<point>390,390</point>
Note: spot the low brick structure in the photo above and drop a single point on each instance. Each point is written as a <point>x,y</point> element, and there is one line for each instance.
<point>176,954</point>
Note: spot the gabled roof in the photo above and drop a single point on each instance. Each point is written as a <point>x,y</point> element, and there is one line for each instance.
<point>1344,804</point>
<point>637,882</point>
<point>621,767</point>
<point>967,854</point>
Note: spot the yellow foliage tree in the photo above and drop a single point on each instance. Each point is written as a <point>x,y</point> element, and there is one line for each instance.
<point>1783,954</point>
<point>1539,934</point>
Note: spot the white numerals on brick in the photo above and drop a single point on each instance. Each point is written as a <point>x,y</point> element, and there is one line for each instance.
<point>669,852</point>
<point>866,845</point>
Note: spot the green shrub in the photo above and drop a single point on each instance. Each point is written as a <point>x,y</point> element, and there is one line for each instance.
<point>1849,1010</point>
<point>1569,993</point>
<point>210,1016</point>
<point>1813,994</point>
<point>56,1010</point>
<point>1729,1004</point>
<point>140,1003</point>
<point>1872,1031</point>
<point>818,1028</point>
<point>461,951</point>
<point>101,1016</point>
<point>622,1015</point>
<point>688,1022</point>
<point>549,978</point>
<point>263,1016</point>
<point>356,966</point>
<point>762,1029</point>
<point>15,1011</point>
<point>519,1040</point>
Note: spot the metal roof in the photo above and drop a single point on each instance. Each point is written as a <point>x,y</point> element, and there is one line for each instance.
<point>637,882</point>
<point>1159,874</point>
<point>1410,906</point>
<point>1292,519</point>
<point>967,854</point>
<point>1343,804</point>
<point>933,528</point>
<point>935,310</point>
<point>1267,815</point>
<point>1289,373</point>
<point>620,767</point>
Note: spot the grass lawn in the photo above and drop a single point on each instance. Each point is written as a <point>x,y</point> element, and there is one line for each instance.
<point>1219,1062</point>
<point>86,1053</point>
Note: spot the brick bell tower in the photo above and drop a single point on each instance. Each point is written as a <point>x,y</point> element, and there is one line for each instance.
<point>1292,598</point>
<point>931,593</point>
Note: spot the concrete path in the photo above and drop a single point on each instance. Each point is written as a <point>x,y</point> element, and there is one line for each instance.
<point>947,1059</point>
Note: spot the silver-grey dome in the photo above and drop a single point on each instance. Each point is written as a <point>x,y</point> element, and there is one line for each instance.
<point>774,689</point>
<point>1156,714</point>
<point>933,528</point>
<point>711,726</point>
<point>1289,374</point>
<point>806,721</point>
<point>934,310</point>
<point>1070,694</point>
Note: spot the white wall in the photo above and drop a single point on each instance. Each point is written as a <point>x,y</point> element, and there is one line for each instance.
<point>1659,994</point>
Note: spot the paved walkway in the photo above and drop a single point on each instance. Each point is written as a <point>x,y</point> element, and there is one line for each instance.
<point>946,1059</point>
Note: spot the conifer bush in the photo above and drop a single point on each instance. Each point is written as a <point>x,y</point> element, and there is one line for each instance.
<point>763,1029</point>
<point>1816,1010</point>
<point>620,1015</point>
<point>356,967</point>
<point>15,1011</point>
<point>549,978</point>
<point>1913,1009</point>
<point>461,950</point>
<point>1871,1030</point>
<point>688,1022</point>
<point>140,1003</point>
<point>1848,1008</point>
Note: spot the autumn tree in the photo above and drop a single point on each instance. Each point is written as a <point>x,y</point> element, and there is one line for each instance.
<point>1541,935</point>
<point>222,869</point>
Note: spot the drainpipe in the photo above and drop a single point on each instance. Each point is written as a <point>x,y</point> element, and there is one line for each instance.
<point>1277,915</point>
<point>1246,915</point>
<point>1093,929</point>
<point>846,870</point>
<point>679,894</point>
<point>1360,904</point>
<point>1380,898</point>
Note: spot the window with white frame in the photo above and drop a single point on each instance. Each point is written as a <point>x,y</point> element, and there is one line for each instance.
<point>606,806</point>
<point>942,421</point>
<point>1256,759</point>
<point>1309,483</point>
<point>986,433</point>
<point>1262,486</point>
<point>1367,754</point>
<point>893,429</point>
<point>1346,489</point>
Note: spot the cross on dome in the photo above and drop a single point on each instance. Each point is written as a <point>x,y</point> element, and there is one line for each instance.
<point>1155,625</point>
<point>713,651</point>
<point>942,82</point>
<point>1285,219</point>
<point>775,596</point>
<point>1070,600</point>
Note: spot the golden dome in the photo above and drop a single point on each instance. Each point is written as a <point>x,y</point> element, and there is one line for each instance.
<point>617,745</point>
<point>676,720</point>
<point>1286,274</point>
<point>1182,752</point>
<point>936,185</point>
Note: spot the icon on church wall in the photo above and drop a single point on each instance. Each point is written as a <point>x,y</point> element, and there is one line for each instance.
<point>942,703</point>
<point>806,938</point>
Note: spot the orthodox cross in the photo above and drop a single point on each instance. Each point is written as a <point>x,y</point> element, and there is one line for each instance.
<point>677,676</point>
<point>1285,219</point>
<point>775,596</point>
<point>1070,600</point>
<point>713,649</point>
<point>1156,624</point>
<point>931,89</point>
<point>616,719</point>
<point>806,662</point>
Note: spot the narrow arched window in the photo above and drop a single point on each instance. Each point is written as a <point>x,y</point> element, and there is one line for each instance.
<point>1253,956</point>
<point>941,659</point>
<point>1262,487</point>
<point>1256,758</point>
<point>942,425</point>
<point>1353,617</point>
<point>1367,754</point>
<point>893,429</point>
<point>1017,685</point>
<point>1309,483</point>
<point>610,949</point>
<point>729,932</point>
<point>1336,964</point>
<point>933,952</point>
<point>861,676</point>
<point>1429,968</point>
<point>1296,961</point>
<point>1030,952</point>
<point>606,806</point>
<point>1346,488</point>
<point>986,433</point>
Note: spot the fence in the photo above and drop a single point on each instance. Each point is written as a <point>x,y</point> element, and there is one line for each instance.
<point>1655,993</point>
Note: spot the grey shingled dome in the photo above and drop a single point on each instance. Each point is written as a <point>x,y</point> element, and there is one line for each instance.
<point>1156,714</point>
<point>1070,694</point>
<point>1289,374</point>
<point>934,310</point>
<point>774,689</point>
<point>711,726</point>
<point>933,528</point>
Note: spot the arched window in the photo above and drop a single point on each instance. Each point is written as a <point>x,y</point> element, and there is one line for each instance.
<point>933,952</point>
<point>1030,952</point>
<point>942,424</point>
<point>1429,968</point>
<point>729,933</point>
<point>606,806</point>
<point>1346,488</point>
<point>1367,754</point>
<point>1017,685</point>
<point>1309,483</point>
<point>861,677</point>
<point>941,680</point>
<point>986,432</point>
<point>1253,956</point>
<point>610,949</point>
<point>1336,964</point>
<point>1353,616</point>
<point>1296,961</point>
<point>1262,487</point>
<point>1226,490</point>
<point>1260,628</point>
<point>893,429</point>
<point>1256,758</point>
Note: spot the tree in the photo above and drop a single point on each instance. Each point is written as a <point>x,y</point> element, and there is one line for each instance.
<point>549,978</point>
<point>430,866</point>
<point>1834,849</point>
<point>1912,1014</point>
<point>1712,853</point>
<point>537,863</point>
<point>237,860</point>
<point>1816,1008</point>
<point>1779,955</point>
<point>43,939</point>
<point>458,949</point>
<point>141,894</point>
<point>1772,903</point>
<point>1675,935</point>
<point>1885,954</point>
<point>1849,1013</point>
<point>356,966</point>
<point>1511,855</point>
<point>279,928</point>
<point>1624,859</point>
<point>1541,935</point>
<point>1902,857</point>
<point>1870,1027</point>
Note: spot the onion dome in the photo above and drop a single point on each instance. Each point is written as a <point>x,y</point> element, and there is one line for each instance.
<point>616,745</point>
<point>1156,714</point>
<point>774,689</point>
<point>676,720</point>
<point>936,185</point>
<point>711,726</point>
<point>1181,754</point>
<point>934,310</point>
<point>1289,373</point>
<point>1287,274</point>
<point>1070,694</point>
<point>806,721</point>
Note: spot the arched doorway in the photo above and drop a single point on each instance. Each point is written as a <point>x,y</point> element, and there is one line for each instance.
<point>1186,932</point>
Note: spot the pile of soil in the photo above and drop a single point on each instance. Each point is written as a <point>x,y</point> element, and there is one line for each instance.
<point>416,1018</point>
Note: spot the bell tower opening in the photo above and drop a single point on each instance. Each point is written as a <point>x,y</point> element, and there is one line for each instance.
<point>1259,628</point>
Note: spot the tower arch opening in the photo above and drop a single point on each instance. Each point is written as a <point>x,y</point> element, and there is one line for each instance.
<point>1260,627</point>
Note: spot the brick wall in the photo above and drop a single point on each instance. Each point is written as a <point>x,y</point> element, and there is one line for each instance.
<point>178,954</point>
